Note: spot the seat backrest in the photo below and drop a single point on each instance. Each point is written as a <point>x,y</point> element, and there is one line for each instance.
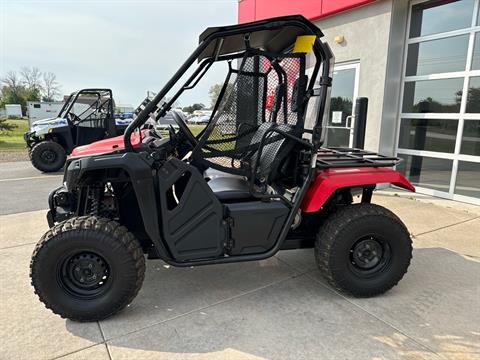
<point>254,99</point>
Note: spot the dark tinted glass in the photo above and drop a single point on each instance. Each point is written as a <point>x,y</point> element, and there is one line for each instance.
<point>427,172</point>
<point>473,98</point>
<point>468,179</point>
<point>341,102</point>
<point>471,138</point>
<point>437,56</point>
<point>437,96</point>
<point>428,134</point>
<point>476,53</point>
<point>438,16</point>
<point>338,137</point>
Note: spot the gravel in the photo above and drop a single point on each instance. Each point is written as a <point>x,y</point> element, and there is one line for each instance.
<point>9,156</point>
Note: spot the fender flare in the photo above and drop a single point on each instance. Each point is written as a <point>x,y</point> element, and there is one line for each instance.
<point>139,169</point>
<point>327,181</point>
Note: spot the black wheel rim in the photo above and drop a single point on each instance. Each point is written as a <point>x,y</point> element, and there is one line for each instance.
<point>48,156</point>
<point>84,275</point>
<point>370,255</point>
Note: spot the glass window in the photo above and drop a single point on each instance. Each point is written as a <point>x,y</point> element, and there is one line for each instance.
<point>437,56</point>
<point>428,134</point>
<point>468,179</point>
<point>473,98</point>
<point>476,53</point>
<point>341,98</point>
<point>471,138</point>
<point>435,96</point>
<point>433,17</point>
<point>427,172</point>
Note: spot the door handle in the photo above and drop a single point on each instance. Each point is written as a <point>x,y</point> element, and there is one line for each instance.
<point>349,120</point>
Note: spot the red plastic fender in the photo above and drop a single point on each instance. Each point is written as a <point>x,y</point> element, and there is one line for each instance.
<point>108,145</point>
<point>329,180</point>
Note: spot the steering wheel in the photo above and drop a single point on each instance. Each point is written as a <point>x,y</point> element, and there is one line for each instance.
<point>184,129</point>
<point>74,117</point>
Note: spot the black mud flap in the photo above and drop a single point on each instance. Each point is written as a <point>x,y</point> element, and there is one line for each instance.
<point>50,220</point>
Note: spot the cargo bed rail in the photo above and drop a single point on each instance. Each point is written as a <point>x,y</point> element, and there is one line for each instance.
<point>336,157</point>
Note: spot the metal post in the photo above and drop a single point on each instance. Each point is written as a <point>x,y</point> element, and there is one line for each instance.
<point>361,108</point>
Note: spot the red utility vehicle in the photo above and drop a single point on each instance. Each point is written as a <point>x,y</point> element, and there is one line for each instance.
<point>255,181</point>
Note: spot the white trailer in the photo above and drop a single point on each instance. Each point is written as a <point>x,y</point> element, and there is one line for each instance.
<point>13,110</point>
<point>42,110</point>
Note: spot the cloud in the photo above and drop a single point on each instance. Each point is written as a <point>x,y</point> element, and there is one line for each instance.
<point>130,46</point>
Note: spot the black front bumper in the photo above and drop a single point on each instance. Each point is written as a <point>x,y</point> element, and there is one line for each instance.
<point>59,210</point>
<point>30,138</point>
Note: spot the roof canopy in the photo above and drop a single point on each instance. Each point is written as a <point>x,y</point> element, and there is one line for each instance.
<point>275,35</point>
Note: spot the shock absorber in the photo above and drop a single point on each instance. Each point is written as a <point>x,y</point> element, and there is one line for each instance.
<point>95,200</point>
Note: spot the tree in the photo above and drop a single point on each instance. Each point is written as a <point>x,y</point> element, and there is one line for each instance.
<point>15,91</point>
<point>214,92</point>
<point>31,78</point>
<point>190,109</point>
<point>51,88</point>
<point>4,126</point>
<point>12,86</point>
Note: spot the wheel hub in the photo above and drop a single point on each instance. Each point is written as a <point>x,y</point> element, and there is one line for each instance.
<point>85,274</point>
<point>48,156</point>
<point>367,253</point>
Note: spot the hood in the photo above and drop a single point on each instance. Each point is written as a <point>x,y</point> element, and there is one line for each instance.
<point>54,121</point>
<point>107,145</point>
<point>43,126</point>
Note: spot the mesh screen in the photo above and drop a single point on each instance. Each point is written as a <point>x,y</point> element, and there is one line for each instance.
<point>256,97</point>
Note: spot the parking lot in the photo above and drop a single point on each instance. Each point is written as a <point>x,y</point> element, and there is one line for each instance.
<point>274,309</point>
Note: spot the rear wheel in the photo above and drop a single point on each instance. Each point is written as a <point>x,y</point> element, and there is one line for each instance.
<point>48,156</point>
<point>87,268</point>
<point>363,249</point>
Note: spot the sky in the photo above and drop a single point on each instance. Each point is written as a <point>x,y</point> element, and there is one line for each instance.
<point>130,46</point>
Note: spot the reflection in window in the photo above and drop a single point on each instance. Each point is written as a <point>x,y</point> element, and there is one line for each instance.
<point>433,96</point>
<point>473,98</point>
<point>476,53</point>
<point>468,179</point>
<point>438,16</point>
<point>341,98</point>
<point>428,134</point>
<point>437,56</point>
<point>427,172</point>
<point>471,138</point>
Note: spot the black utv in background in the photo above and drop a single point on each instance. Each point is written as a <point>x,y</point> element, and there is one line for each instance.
<point>86,116</point>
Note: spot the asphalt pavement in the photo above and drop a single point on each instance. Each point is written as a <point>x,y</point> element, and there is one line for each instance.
<point>24,188</point>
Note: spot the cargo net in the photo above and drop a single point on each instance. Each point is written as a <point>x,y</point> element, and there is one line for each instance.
<point>256,97</point>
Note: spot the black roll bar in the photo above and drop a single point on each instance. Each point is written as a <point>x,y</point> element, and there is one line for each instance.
<point>321,52</point>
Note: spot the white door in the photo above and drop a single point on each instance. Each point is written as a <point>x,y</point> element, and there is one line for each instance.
<point>341,123</point>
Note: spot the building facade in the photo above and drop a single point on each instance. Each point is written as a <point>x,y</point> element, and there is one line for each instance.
<point>418,63</point>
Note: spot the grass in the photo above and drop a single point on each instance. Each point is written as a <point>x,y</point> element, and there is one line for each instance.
<point>12,141</point>
<point>195,129</point>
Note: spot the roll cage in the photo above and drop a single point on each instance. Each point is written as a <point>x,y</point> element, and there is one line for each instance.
<point>273,36</point>
<point>103,101</point>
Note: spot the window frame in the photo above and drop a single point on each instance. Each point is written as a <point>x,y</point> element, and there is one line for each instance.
<point>461,116</point>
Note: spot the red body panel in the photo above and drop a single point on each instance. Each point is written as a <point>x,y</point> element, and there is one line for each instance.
<point>329,180</point>
<point>251,10</point>
<point>107,145</point>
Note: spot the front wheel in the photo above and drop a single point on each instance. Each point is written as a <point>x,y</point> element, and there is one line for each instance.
<point>87,268</point>
<point>48,156</point>
<point>363,250</point>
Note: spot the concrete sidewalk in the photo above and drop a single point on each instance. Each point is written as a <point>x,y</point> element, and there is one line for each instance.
<point>274,309</point>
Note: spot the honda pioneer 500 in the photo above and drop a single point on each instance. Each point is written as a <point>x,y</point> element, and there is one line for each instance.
<point>86,116</point>
<point>220,197</point>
